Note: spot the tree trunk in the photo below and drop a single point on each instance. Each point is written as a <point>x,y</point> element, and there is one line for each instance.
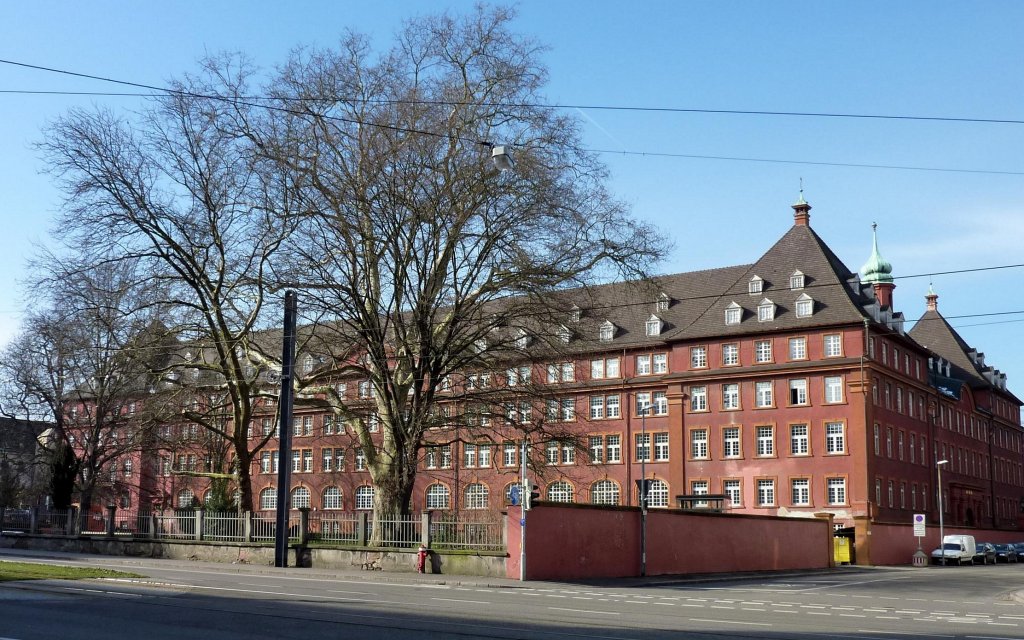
<point>392,498</point>
<point>243,476</point>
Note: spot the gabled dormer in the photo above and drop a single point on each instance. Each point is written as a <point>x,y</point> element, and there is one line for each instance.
<point>804,306</point>
<point>733,313</point>
<point>564,334</point>
<point>755,286</point>
<point>653,326</point>
<point>765,310</point>
<point>796,280</point>
<point>606,332</point>
<point>575,313</point>
<point>663,302</point>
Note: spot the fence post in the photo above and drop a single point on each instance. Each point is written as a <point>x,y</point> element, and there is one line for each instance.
<point>154,531</point>
<point>71,524</point>
<point>504,529</point>
<point>111,511</point>
<point>247,526</point>
<point>361,529</point>
<point>303,526</point>
<point>425,529</point>
<point>199,523</point>
<point>33,520</point>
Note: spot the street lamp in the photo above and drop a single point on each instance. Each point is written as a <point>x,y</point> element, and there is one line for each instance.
<point>942,531</point>
<point>644,452</point>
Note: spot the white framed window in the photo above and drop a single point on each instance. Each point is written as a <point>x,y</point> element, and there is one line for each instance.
<point>699,443</point>
<point>732,490</point>
<point>438,496</point>
<point>575,313</point>
<point>653,326</point>
<point>762,351</point>
<point>468,455</point>
<point>186,499</point>
<point>730,354</point>
<point>798,348</point>
<point>731,396</point>
<point>508,454</point>
<point>799,439</point>
<point>660,363</point>
<point>698,357</point>
<point>643,365</point>
<point>364,497</point>
<point>560,491</point>
<point>765,311</point>
<point>564,334</point>
<point>833,345</point>
<point>364,389</point>
<point>477,496</point>
<point>699,488</point>
<point>268,499</point>
<point>612,406</point>
<point>765,493</point>
<point>613,448</point>
<point>660,404</point>
<point>361,458</point>
<point>657,494</point>
<point>764,396</point>
<point>332,498</point>
<point>568,409</point>
<point>765,441</point>
<point>837,490</point>
<point>833,389</point>
<point>642,448</point>
<point>663,302</point>
<point>731,442</point>
<point>755,286</point>
<point>596,449</point>
<point>798,391</point>
<point>796,280</point>
<point>801,492</point>
<point>301,498</point>
<point>733,313</point>
<point>607,331</point>
<point>604,492</point>
<point>568,370</point>
<point>835,437</point>
<point>661,448</point>
<point>699,398</point>
<point>596,407</point>
<point>804,306</point>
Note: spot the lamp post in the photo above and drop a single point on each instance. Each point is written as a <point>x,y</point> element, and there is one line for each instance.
<point>645,451</point>
<point>942,531</point>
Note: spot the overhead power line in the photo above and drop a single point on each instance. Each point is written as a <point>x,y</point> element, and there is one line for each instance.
<point>253,101</point>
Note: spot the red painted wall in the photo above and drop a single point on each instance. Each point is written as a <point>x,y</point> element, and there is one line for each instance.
<point>895,544</point>
<point>568,542</point>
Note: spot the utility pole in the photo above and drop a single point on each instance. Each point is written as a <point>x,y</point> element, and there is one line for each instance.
<point>284,456</point>
<point>524,493</point>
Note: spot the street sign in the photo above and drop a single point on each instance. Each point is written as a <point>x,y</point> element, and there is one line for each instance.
<point>919,525</point>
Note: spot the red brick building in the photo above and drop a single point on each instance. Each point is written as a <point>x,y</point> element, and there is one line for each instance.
<point>789,385</point>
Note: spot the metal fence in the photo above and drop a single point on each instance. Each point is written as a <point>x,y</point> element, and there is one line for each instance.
<point>437,530</point>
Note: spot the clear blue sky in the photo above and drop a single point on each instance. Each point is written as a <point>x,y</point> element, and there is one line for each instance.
<point>951,59</point>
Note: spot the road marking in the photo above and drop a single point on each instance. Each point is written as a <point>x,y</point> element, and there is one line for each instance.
<point>357,593</point>
<point>666,604</point>
<point>582,598</point>
<point>466,601</point>
<point>1002,624</point>
<point>852,615</point>
<point>902,633</point>
<point>752,624</point>
<point>818,613</point>
<point>607,613</point>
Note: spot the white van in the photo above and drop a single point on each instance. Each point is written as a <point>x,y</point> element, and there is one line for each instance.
<point>955,548</point>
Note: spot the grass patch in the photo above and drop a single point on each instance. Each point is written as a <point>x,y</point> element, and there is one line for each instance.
<point>33,571</point>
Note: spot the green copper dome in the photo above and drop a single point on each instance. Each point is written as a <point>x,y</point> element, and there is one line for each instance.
<point>877,269</point>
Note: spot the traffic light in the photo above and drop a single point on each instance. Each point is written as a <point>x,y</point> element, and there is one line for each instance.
<point>533,493</point>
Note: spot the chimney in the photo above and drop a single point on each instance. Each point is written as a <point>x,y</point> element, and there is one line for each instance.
<point>801,212</point>
<point>932,299</point>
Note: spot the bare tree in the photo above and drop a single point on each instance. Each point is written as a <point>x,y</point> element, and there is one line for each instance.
<point>76,364</point>
<point>181,191</point>
<point>420,260</point>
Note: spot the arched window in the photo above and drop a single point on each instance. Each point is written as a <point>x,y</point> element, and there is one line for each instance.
<point>300,498</point>
<point>268,499</point>
<point>185,498</point>
<point>658,494</point>
<point>437,496</point>
<point>332,498</point>
<point>560,491</point>
<point>364,497</point>
<point>477,495</point>
<point>604,492</point>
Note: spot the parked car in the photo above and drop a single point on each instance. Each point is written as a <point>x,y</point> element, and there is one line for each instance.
<point>956,549</point>
<point>984,553</point>
<point>1006,553</point>
<point>1019,546</point>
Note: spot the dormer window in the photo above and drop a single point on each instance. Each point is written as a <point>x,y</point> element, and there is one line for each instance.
<point>796,281</point>
<point>663,302</point>
<point>733,313</point>
<point>480,344</point>
<point>564,334</point>
<point>307,364</point>
<point>755,285</point>
<point>653,326</point>
<point>522,339</point>
<point>804,306</point>
<point>574,314</point>
<point>607,331</point>
<point>765,311</point>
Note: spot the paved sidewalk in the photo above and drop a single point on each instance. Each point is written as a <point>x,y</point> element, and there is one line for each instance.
<point>139,565</point>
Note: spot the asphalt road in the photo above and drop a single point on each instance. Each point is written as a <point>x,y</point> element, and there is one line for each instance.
<point>185,601</point>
